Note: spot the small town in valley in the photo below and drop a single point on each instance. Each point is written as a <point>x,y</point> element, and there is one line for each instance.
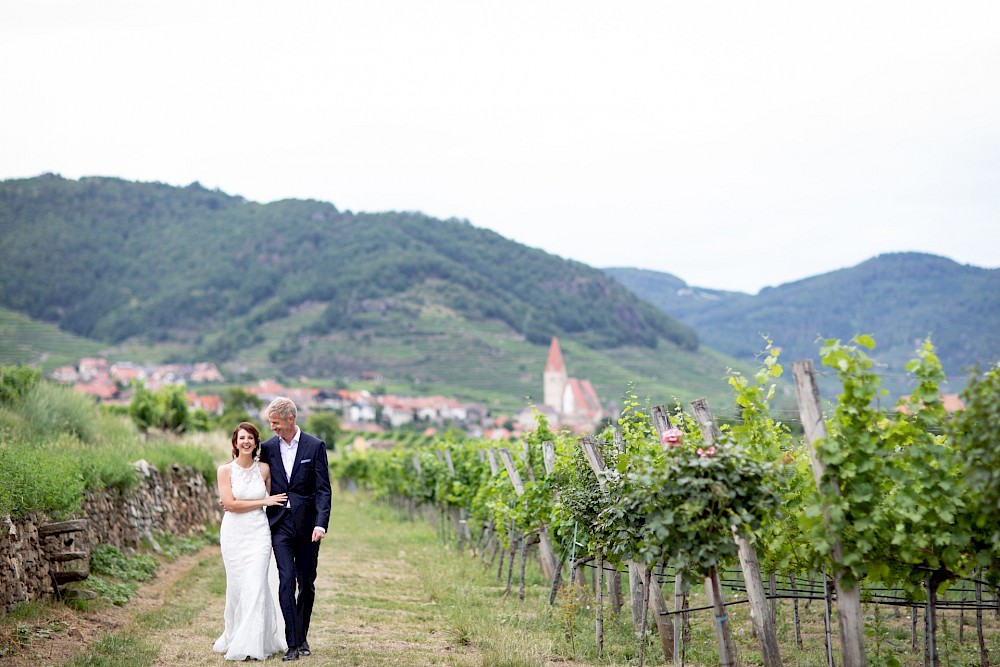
<point>568,403</point>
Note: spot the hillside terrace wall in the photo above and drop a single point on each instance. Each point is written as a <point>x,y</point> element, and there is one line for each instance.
<point>179,502</point>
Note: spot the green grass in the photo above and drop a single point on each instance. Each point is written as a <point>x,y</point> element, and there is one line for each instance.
<point>187,597</point>
<point>119,649</point>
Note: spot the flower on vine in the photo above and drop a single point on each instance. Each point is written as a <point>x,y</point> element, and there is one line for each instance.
<point>672,437</point>
<point>706,452</point>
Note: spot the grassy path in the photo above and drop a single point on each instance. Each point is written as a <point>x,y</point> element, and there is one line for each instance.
<point>372,607</point>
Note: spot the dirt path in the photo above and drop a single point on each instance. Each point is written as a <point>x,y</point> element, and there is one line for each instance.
<point>77,629</point>
<point>370,607</point>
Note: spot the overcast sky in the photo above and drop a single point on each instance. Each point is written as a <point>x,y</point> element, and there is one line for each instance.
<point>733,144</point>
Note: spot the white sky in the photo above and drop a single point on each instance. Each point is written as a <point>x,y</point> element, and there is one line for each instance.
<point>733,144</point>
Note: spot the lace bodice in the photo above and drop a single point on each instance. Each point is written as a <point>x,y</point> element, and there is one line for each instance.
<point>248,483</point>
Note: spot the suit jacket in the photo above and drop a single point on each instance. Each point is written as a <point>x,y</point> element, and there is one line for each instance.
<point>308,487</point>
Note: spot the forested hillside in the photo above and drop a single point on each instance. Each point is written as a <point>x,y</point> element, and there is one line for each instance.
<point>899,299</point>
<point>302,288</point>
<point>110,259</point>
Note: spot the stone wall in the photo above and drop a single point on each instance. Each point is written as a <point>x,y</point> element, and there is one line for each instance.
<point>178,501</point>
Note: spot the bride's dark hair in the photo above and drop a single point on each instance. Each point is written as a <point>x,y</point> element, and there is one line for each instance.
<point>252,430</point>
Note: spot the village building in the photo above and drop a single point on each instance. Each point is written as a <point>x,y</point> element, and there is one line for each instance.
<point>210,403</point>
<point>206,372</point>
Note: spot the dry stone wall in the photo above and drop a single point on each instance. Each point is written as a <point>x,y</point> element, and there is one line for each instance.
<point>178,501</point>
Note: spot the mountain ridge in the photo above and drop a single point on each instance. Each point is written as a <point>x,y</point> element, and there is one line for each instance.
<point>898,298</point>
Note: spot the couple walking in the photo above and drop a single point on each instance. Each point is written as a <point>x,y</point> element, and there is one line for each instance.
<point>288,476</point>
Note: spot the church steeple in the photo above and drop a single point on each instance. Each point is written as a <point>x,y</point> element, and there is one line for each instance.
<point>555,363</point>
<point>554,377</point>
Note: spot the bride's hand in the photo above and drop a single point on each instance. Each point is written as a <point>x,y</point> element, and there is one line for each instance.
<point>277,499</point>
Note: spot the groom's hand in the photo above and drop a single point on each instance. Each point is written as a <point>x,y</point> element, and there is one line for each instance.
<point>318,534</point>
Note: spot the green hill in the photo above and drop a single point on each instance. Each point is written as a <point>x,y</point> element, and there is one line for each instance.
<point>299,288</point>
<point>898,298</point>
<point>27,341</point>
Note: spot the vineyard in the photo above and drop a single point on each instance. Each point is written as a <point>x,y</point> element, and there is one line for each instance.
<point>870,516</point>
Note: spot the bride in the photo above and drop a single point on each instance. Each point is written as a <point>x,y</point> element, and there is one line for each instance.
<point>254,629</point>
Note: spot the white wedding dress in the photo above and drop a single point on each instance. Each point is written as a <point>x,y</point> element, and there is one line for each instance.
<point>254,626</point>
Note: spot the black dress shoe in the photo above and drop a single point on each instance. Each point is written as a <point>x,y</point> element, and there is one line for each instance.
<point>291,654</point>
<point>304,649</point>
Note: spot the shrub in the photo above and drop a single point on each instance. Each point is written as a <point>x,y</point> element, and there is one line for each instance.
<point>39,479</point>
<point>15,381</point>
<point>50,410</point>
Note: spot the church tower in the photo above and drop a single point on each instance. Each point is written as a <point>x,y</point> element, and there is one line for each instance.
<point>554,377</point>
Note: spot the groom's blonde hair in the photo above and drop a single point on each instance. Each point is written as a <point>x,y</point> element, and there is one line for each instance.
<point>282,407</point>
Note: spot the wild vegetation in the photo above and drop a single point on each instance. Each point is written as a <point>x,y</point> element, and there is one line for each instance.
<point>55,444</point>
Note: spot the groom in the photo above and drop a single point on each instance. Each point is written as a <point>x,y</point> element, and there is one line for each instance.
<point>299,468</point>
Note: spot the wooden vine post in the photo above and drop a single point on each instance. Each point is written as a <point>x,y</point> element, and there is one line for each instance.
<point>760,615</point>
<point>664,624</point>
<point>549,461</point>
<point>852,628</point>
<point>544,546</point>
<point>713,585</point>
<point>462,520</point>
<point>637,592</point>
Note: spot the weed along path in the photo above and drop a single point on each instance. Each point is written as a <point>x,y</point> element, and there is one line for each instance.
<point>372,605</point>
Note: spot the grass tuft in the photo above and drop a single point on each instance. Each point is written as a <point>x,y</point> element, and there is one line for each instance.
<point>121,649</point>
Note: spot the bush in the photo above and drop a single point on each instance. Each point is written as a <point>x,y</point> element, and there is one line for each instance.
<point>39,479</point>
<point>15,381</point>
<point>50,410</point>
<point>55,444</point>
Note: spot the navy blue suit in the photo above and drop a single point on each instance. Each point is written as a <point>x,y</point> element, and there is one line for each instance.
<point>308,489</point>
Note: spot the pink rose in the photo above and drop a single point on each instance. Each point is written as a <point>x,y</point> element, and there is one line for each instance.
<point>672,436</point>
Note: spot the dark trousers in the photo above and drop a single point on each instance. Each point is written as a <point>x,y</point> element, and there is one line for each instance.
<point>296,559</point>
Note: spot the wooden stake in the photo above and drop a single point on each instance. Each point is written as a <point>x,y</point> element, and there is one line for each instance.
<point>544,547</point>
<point>727,649</point>
<point>599,602</point>
<point>849,612</point>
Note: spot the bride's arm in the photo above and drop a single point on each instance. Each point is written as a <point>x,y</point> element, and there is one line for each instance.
<point>232,504</point>
<point>265,472</point>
